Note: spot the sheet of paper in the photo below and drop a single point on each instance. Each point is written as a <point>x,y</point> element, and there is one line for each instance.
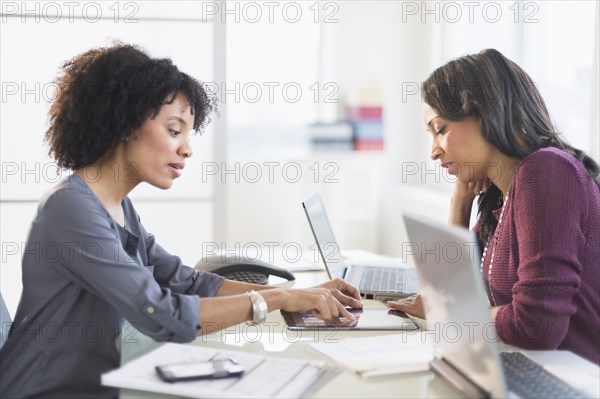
<point>380,355</point>
<point>265,377</point>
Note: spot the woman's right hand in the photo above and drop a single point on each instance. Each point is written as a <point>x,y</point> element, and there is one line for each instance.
<point>469,190</point>
<point>462,198</point>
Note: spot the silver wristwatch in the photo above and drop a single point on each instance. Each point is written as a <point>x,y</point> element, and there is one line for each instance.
<point>259,308</point>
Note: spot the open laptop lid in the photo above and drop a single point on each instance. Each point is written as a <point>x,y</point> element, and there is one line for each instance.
<point>447,263</point>
<point>321,229</point>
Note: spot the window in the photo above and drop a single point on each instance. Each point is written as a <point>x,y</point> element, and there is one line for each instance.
<point>554,41</point>
<point>558,50</point>
<point>272,77</point>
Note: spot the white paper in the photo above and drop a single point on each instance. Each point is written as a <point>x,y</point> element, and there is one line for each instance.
<point>265,377</point>
<point>380,355</point>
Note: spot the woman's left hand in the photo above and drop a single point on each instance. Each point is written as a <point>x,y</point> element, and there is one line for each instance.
<point>412,305</point>
<point>346,293</point>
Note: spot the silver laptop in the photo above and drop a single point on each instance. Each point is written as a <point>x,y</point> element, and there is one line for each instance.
<point>465,351</point>
<point>373,282</point>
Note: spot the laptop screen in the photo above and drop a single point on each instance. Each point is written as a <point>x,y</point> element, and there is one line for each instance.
<point>447,263</point>
<point>328,246</point>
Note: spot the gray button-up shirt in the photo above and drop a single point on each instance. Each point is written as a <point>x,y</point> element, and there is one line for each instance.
<point>83,274</point>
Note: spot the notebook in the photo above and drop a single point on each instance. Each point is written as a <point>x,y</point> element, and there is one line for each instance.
<point>466,352</point>
<point>373,282</point>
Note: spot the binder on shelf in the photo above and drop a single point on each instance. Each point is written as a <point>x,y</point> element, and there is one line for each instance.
<point>368,145</point>
<point>368,130</point>
<point>364,113</point>
<point>361,130</point>
<point>337,136</point>
<point>367,126</point>
<point>332,145</point>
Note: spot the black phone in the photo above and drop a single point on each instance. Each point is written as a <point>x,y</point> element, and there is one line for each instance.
<point>239,268</point>
<point>221,368</point>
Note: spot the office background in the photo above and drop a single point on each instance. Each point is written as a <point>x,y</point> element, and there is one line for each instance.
<point>285,75</point>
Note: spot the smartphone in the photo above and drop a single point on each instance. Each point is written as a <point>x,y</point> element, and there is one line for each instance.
<point>221,368</point>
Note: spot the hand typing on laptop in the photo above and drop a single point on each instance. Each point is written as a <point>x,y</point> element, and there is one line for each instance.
<point>320,296</point>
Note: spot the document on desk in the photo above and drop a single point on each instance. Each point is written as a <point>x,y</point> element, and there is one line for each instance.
<point>265,377</point>
<point>381,355</point>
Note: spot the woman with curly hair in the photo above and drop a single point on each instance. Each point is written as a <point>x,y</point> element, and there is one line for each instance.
<point>121,118</point>
<point>538,208</point>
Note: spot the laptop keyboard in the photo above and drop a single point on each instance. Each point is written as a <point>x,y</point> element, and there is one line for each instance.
<point>528,379</point>
<point>381,279</point>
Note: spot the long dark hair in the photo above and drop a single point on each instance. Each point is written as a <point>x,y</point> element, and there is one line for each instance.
<point>513,114</point>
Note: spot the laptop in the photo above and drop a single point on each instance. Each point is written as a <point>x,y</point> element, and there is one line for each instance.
<point>466,352</point>
<point>373,282</point>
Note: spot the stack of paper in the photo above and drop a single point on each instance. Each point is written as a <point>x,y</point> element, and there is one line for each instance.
<point>380,355</point>
<point>265,377</point>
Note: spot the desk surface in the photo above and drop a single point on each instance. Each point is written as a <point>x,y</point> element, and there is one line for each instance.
<point>273,339</point>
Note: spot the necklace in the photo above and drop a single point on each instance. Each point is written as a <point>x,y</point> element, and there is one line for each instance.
<point>494,244</point>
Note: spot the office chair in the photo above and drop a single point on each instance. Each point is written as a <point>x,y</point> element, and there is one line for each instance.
<point>5,321</point>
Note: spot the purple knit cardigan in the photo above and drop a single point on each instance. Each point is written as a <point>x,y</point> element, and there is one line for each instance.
<point>546,271</point>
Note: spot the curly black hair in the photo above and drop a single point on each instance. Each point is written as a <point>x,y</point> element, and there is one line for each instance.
<point>106,93</point>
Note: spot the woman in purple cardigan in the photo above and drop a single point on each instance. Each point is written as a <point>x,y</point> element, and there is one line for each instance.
<point>538,203</point>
